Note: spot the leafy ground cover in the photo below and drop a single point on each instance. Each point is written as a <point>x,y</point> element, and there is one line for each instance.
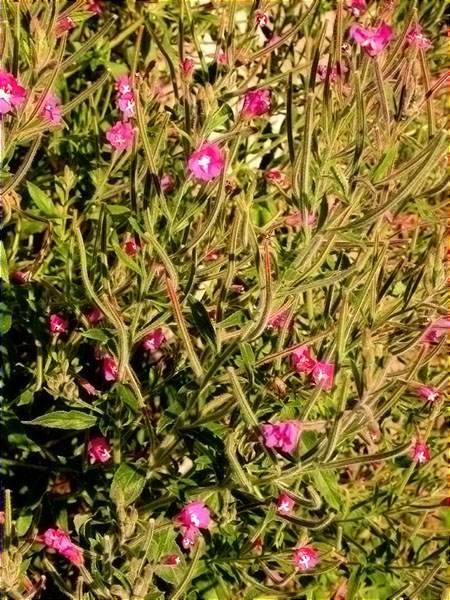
<point>223,300</point>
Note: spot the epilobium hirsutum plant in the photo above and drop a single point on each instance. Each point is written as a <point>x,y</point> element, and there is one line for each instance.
<point>223,317</point>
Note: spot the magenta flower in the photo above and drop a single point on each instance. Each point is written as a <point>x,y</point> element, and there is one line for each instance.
<point>207,162</point>
<point>357,7</point>
<point>337,71</point>
<point>261,18</point>
<point>305,558</point>
<point>123,86</point>
<point>58,324</point>
<point>51,109</point>
<point>222,57</point>
<point>256,103</point>
<point>154,340</point>
<point>211,255</point>
<point>419,452</point>
<point>120,135</point>
<point>302,360</point>
<point>285,505</point>
<point>64,24</point>
<point>194,514</point>
<point>167,183</point>
<point>189,537</point>
<point>372,40</point>
<point>59,540</point>
<point>277,319</point>
<point>275,175</point>
<point>99,450</point>
<point>12,94</point>
<point>94,315</point>
<point>416,39</point>
<point>436,331</point>
<point>131,247</point>
<point>94,6</point>
<point>171,559</point>
<point>323,374</point>
<point>109,368</point>
<point>127,106</point>
<point>187,65</point>
<point>20,277</point>
<point>428,393</point>
<point>282,434</point>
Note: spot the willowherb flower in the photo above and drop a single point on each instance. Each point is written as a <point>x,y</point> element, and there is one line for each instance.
<point>167,183</point>
<point>356,7</point>
<point>302,359</point>
<point>94,315</point>
<point>12,94</point>
<point>323,374</point>
<point>211,255</point>
<point>337,71</point>
<point>416,39</point>
<point>99,449</point>
<point>305,558</point>
<point>373,40</point>
<point>435,331</point>
<point>171,559</point>
<point>19,277</point>
<point>428,392</point>
<point>88,387</point>
<point>51,109</point>
<point>194,514</point>
<point>256,103</point>
<point>58,324</point>
<point>127,106</point>
<point>64,24</point>
<point>419,452</point>
<point>187,66</point>
<point>131,246</point>
<point>94,6</point>
<point>261,18</point>
<point>285,505</point>
<point>120,135</point>
<point>275,175</point>
<point>123,86</point>
<point>59,540</point>
<point>110,368</point>
<point>282,434</point>
<point>189,537</point>
<point>154,340</point>
<point>207,162</point>
<point>277,319</point>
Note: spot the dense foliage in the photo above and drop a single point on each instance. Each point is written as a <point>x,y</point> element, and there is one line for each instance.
<point>223,300</point>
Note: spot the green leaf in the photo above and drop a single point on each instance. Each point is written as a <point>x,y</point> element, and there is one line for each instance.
<point>61,419</point>
<point>23,524</point>
<point>127,397</point>
<point>123,257</point>
<point>127,485</point>
<point>42,200</point>
<point>203,322</point>
<point>4,272</point>
<point>116,209</point>
<point>96,334</point>
<point>5,322</point>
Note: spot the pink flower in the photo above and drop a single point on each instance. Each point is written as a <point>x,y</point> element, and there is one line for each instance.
<point>277,319</point>
<point>211,255</point>
<point>275,175</point>
<point>207,162</point>
<point>415,38</point>
<point>256,103</point>
<point>154,340</point>
<point>88,387</point>
<point>64,24</point>
<point>94,315</point>
<point>94,6</point>
<point>336,72</point>
<point>428,393</point>
<point>12,94</point>
<point>302,360</point>
<point>59,540</point>
<point>187,65</point>
<point>273,40</point>
<point>20,277</point>
<point>123,86</point>
<point>357,7</point>
<point>372,40</point>
<point>189,537</point>
<point>305,558</point>
<point>131,247</point>
<point>222,57</point>
<point>237,288</point>
<point>99,449</point>
<point>293,219</point>
<point>51,110</point>
<point>194,514</point>
<point>58,324</point>
<point>261,18</point>
<point>282,434</point>
<point>127,106</point>
<point>171,559</point>
<point>109,368</point>
<point>323,373</point>
<point>435,331</point>
<point>285,505</point>
<point>120,135</point>
<point>167,183</point>
<point>419,452</point>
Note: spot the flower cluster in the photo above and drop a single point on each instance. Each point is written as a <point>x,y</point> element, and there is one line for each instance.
<point>193,517</point>
<point>59,540</point>
<point>321,372</point>
<point>121,134</point>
